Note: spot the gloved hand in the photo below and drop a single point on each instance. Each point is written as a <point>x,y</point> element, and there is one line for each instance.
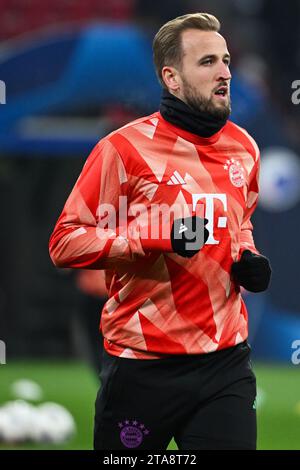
<point>186,231</point>
<point>252,271</point>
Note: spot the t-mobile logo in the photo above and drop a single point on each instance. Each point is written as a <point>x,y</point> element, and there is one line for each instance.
<point>209,213</point>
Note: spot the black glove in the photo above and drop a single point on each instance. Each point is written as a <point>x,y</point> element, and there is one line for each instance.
<point>252,271</point>
<point>187,231</point>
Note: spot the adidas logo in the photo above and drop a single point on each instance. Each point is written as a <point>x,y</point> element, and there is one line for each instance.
<point>176,178</point>
<point>182,228</point>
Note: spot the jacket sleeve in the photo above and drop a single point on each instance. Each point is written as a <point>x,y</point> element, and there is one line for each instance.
<point>87,234</point>
<point>246,235</point>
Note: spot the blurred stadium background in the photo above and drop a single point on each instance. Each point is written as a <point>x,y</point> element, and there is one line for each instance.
<point>74,70</point>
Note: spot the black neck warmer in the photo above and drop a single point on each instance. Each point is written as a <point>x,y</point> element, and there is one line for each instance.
<point>180,114</point>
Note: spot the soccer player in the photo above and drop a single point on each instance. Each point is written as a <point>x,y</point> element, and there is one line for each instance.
<point>176,360</point>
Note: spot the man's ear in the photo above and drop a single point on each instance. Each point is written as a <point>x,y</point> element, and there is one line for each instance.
<point>171,78</point>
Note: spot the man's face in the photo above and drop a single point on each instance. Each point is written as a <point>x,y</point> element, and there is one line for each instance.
<point>204,76</point>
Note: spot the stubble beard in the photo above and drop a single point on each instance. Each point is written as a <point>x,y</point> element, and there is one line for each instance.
<point>198,102</point>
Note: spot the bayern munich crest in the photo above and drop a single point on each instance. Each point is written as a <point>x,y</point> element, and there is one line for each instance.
<point>132,433</point>
<point>236,172</point>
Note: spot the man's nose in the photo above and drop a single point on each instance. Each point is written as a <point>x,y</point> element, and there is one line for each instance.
<point>224,72</point>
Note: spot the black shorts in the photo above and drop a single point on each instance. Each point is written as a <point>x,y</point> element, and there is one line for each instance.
<point>203,401</point>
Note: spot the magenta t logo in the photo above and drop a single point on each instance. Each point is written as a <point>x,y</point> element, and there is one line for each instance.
<point>209,213</point>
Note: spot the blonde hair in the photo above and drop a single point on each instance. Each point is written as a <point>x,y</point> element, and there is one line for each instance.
<point>167,49</point>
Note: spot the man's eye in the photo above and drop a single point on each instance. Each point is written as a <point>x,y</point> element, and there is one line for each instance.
<point>207,61</point>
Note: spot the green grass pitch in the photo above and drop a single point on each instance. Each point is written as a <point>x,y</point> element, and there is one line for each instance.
<point>74,386</point>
